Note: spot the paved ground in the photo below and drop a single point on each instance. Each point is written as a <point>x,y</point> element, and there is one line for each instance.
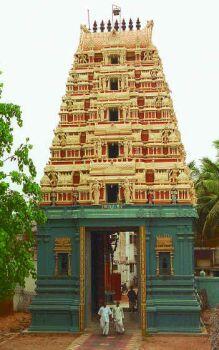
<point>99,342</point>
<point>38,342</point>
<point>11,338</point>
<point>175,343</point>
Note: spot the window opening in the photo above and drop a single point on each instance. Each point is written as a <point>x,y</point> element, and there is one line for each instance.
<point>164,264</point>
<point>114,84</point>
<point>62,256</point>
<point>113,114</point>
<point>63,269</point>
<point>114,59</point>
<point>113,150</point>
<point>132,268</point>
<point>112,191</point>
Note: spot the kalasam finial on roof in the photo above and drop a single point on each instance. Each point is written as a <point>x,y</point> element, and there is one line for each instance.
<point>130,24</point>
<point>116,25</point>
<point>102,26</point>
<point>138,24</point>
<point>123,26</point>
<point>109,26</point>
<point>95,27</point>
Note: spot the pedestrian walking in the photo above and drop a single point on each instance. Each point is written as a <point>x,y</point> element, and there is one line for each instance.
<point>104,313</point>
<point>132,299</point>
<point>118,316</point>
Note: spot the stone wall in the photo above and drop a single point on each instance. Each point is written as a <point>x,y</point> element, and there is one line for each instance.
<point>23,296</point>
<point>211,285</point>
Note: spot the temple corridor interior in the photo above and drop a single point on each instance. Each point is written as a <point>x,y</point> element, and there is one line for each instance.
<point>112,266</point>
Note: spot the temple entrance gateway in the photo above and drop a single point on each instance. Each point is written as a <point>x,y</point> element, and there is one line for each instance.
<point>164,251</point>
<point>114,258</point>
<point>111,267</point>
<point>117,163</point>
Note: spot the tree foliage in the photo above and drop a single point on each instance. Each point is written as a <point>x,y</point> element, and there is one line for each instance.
<point>19,203</point>
<point>206,179</point>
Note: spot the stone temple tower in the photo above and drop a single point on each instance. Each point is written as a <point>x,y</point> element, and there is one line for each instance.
<point>117,164</point>
<point>117,140</point>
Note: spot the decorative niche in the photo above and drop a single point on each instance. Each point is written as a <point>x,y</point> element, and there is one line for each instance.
<point>63,250</point>
<point>164,255</point>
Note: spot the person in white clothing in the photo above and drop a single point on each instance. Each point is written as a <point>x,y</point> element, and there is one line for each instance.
<point>118,316</point>
<point>104,313</point>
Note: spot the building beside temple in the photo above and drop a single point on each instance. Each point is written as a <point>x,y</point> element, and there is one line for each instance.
<point>125,258</point>
<point>117,165</point>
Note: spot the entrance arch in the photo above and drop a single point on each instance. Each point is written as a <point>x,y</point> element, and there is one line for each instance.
<point>142,275</point>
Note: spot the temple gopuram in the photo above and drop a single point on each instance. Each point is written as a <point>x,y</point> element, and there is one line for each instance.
<point>117,164</point>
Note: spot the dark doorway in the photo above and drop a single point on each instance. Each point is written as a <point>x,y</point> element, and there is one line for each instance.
<point>164,264</point>
<point>112,191</point>
<point>113,114</point>
<point>114,59</point>
<point>110,272</point>
<point>113,150</point>
<point>97,270</point>
<point>114,84</point>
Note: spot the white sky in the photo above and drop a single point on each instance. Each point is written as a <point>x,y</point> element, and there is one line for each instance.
<point>38,39</point>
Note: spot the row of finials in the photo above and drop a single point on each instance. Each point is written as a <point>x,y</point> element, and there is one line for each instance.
<point>116,25</point>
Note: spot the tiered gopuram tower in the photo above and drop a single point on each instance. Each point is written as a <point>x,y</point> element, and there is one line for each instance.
<point>117,140</point>
<point>117,164</point>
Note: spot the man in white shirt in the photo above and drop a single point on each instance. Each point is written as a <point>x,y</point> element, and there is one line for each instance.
<point>104,313</point>
<point>118,316</point>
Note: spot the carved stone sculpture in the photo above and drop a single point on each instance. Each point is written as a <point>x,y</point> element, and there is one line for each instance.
<point>150,196</point>
<point>127,191</point>
<point>98,148</point>
<point>62,139</point>
<point>53,178</point>
<point>165,135</point>
<point>150,25</point>
<point>173,175</point>
<point>96,192</point>
<point>126,148</point>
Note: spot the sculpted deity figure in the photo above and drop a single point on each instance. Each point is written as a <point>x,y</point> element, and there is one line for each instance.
<point>123,83</point>
<point>173,175</point>
<point>53,178</point>
<point>183,176</point>
<point>127,190</point>
<point>62,139</point>
<point>150,196</point>
<point>55,140</point>
<point>84,28</point>
<point>174,136</point>
<point>167,101</point>
<point>148,55</point>
<point>193,196</point>
<point>165,135</point>
<point>149,27</point>
<point>98,147</point>
<point>96,192</point>
<point>104,84</point>
<point>153,74</point>
<point>82,58</point>
<point>159,101</point>
<point>76,59</point>
<point>124,112</point>
<point>45,180</point>
<point>102,112</point>
<point>126,148</point>
<point>174,195</point>
<point>182,152</point>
